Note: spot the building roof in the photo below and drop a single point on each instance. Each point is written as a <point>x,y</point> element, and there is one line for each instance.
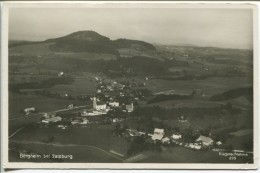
<point>53,119</point>
<point>205,139</point>
<point>157,137</point>
<point>166,139</point>
<point>156,130</point>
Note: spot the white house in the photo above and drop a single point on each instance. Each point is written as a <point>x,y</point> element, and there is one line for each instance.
<point>113,104</point>
<point>176,136</point>
<point>165,140</point>
<point>84,121</point>
<point>52,119</point>
<point>29,110</point>
<point>130,108</point>
<point>195,146</point>
<point>49,115</point>
<point>219,143</point>
<point>206,141</point>
<point>158,134</point>
<point>60,74</point>
<point>99,91</point>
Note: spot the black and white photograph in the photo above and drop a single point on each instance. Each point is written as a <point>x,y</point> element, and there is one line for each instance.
<point>129,85</point>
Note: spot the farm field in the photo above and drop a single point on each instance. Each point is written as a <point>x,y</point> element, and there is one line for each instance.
<point>210,86</point>
<point>191,103</point>
<point>93,135</point>
<point>18,102</point>
<point>78,87</point>
<point>22,78</point>
<point>43,50</point>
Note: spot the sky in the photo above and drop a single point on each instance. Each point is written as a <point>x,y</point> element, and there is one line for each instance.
<point>227,28</point>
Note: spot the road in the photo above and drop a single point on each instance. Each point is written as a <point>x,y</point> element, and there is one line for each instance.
<point>164,92</point>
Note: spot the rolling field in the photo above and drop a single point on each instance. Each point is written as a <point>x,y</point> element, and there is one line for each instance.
<point>79,87</point>
<point>85,144</point>
<point>43,49</point>
<point>191,103</point>
<point>22,78</point>
<point>93,135</point>
<point>33,49</point>
<point>210,86</point>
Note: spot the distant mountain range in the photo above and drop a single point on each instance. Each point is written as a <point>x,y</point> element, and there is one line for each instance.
<point>89,41</point>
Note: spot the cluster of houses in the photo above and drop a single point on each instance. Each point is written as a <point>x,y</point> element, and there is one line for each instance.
<point>176,138</point>
<point>101,108</point>
<point>51,118</point>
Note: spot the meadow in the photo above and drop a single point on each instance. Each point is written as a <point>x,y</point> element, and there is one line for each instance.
<point>79,87</point>
<point>99,136</point>
<point>210,86</point>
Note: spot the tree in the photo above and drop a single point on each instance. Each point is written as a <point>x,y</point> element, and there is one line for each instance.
<point>137,145</point>
<point>248,145</point>
<point>229,147</point>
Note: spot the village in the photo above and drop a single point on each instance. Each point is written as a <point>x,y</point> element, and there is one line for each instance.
<point>112,104</point>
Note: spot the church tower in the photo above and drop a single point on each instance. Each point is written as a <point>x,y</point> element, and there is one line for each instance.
<point>94,103</point>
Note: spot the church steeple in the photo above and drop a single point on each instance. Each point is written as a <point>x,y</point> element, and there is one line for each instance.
<point>94,103</point>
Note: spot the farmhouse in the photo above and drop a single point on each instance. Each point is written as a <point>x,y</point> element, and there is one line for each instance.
<point>49,114</point>
<point>158,134</point>
<point>219,143</point>
<point>206,141</point>
<point>60,74</point>
<point>195,146</point>
<point>129,108</point>
<point>52,119</point>
<point>29,110</point>
<point>176,136</point>
<point>70,106</point>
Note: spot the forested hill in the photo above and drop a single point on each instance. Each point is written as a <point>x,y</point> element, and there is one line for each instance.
<point>234,93</point>
<point>89,41</point>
